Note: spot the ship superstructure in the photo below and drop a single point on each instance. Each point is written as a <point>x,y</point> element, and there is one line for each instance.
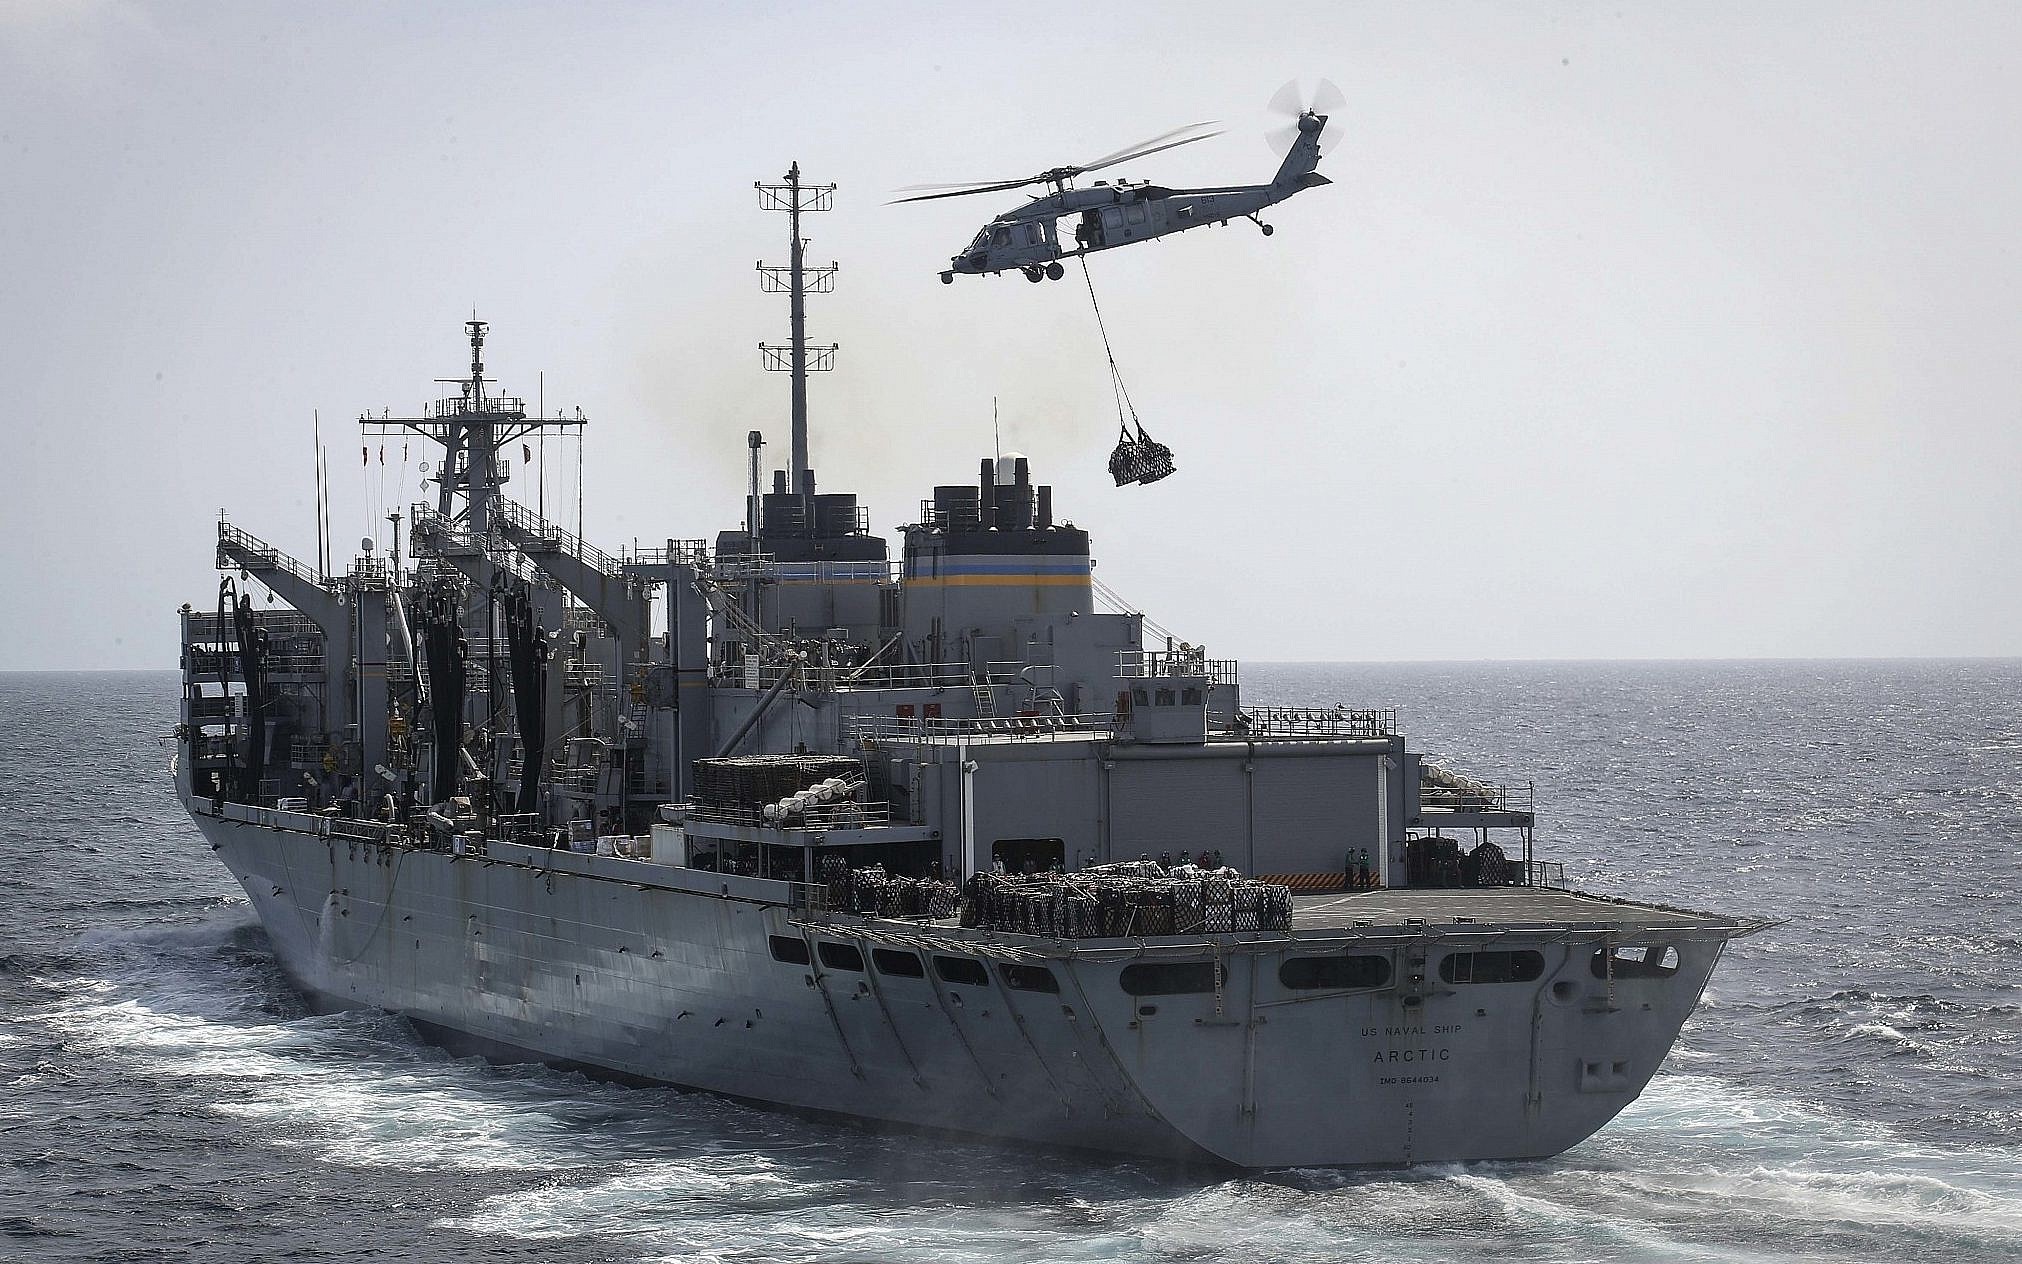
<point>939,841</point>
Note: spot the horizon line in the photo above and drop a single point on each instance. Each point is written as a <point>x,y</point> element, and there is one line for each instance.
<point>1360,662</point>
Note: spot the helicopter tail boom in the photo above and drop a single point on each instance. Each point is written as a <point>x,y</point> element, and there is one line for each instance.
<point>1301,158</point>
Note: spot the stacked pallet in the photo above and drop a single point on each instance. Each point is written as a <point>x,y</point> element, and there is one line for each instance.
<point>874,893</point>
<point>1129,900</point>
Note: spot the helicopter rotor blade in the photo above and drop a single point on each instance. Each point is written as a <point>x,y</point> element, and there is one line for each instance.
<point>960,191</point>
<point>1289,100</point>
<point>1139,153</point>
<point>956,184</point>
<point>1292,101</point>
<point>1163,141</point>
<point>1147,146</point>
<point>1327,99</point>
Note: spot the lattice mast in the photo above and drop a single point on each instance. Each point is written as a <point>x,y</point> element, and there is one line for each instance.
<point>473,427</point>
<point>797,281</point>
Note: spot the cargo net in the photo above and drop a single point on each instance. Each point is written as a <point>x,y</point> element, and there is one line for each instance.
<point>752,782</point>
<point>1439,862</point>
<point>874,893</point>
<point>1134,898</point>
<point>1138,458</point>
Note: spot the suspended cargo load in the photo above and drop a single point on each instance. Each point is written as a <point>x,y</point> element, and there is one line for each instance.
<point>1139,458</point>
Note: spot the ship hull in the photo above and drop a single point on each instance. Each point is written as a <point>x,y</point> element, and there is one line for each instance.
<point>672,976</point>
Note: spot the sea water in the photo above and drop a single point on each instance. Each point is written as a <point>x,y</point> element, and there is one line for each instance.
<point>1851,1088</point>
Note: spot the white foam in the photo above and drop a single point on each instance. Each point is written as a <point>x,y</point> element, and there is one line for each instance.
<point>356,1083</point>
<point>1788,1161</point>
<point>1617,1227</point>
<point>1892,1035</point>
<point>1806,1194</point>
<point>1695,1171</point>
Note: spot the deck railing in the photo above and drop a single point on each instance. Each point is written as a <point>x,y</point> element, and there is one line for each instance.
<point>239,548</point>
<point>1340,722</point>
<point>693,553</point>
<point>840,677</point>
<point>893,728</point>
<point>827,816</point>
<point>462,405</point>
<point>1546,873</point>
<point>1441,787</point>
<point>807,902</point>
<point>539,528</point>
<point>1155,663</point>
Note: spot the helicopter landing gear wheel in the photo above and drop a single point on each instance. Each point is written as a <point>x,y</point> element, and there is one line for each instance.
<point>1034,275</point>
<point>1268,230</point>
<point>1054,271</point>
<point>947,278</point>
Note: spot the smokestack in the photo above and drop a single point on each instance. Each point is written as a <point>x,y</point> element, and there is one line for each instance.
<point>1022,473</point>
<point>779,482</point>
<point>989,483</point>
<point>1045,520</point>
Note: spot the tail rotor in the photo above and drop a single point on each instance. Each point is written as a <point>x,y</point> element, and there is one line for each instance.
<point>1293,102</point>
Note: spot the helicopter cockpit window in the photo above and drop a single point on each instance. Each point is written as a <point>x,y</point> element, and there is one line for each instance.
<point>1135,212</point>
<point>1000,237</point>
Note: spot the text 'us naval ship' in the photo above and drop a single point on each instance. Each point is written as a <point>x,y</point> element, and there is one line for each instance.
<point>934,842</point>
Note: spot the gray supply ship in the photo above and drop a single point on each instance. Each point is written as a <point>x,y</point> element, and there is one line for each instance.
<point>937,842</point>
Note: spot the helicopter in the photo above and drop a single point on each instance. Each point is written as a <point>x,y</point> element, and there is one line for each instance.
<point>1029,239</point>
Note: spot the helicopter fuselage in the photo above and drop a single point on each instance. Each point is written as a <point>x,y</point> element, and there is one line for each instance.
<point>1068,222</point>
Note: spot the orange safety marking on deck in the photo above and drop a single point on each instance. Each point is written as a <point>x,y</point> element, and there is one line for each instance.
<point>1306,881</point>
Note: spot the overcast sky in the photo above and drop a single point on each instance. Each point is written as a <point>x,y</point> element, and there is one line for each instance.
<point>1624,331</point>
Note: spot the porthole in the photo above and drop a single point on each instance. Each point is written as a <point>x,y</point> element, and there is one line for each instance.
<point>1020,978</point>
<point>1168,978</point>
<point>1496,966</point>
<point>1636,961</point>
<point>841,956</point>
<point>1334,973</point>
<point>898,963</point>
<point>962,970</point>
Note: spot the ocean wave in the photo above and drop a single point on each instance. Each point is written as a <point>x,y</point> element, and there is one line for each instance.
<point>1868,1200</point>
<point>1900,1041</point>
<point>29,1227</point>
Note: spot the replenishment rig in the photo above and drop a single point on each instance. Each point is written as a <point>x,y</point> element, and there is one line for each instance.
<point>936,841</point>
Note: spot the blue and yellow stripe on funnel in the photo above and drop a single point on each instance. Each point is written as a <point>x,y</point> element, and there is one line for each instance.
<point>1000,572</point>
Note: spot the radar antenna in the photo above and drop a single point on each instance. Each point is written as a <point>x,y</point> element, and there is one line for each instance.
<point>473,426</point>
